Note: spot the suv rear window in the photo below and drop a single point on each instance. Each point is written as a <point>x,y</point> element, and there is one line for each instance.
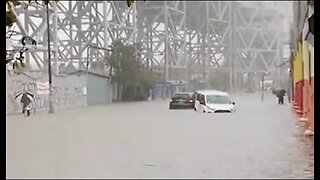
<point>182,96</point>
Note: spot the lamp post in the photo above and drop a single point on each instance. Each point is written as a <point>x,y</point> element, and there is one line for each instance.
<point>51,110</point>
<point>262,84</point>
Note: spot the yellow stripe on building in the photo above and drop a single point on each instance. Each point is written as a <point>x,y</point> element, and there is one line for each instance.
<point>305,59</point>
<point>298,65</point>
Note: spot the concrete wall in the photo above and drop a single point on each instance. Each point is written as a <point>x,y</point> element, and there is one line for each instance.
<point>99,90</point>
<point>67,92</point>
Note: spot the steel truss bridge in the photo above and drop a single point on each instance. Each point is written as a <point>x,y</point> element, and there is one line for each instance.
<point>182,40</point>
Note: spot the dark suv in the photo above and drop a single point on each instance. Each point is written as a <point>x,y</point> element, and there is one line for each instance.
<point>182,100</point>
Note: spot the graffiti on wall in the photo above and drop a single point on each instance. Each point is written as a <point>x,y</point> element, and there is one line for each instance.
<point>62,96</point>
<point>68,97</point>
<point>15,87</point>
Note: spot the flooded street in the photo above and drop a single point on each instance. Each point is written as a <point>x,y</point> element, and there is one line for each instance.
<point>160,89</point>
<point>260,140</point>
<point>306,145</point>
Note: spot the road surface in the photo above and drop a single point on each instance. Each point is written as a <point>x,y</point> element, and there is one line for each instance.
<point>146,140</point>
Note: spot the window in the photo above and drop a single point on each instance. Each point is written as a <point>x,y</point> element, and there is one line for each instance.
<point>218,99</point>
<point>182,96</point>
<point>200,97</point>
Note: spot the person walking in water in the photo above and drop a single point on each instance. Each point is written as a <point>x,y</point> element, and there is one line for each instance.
<point>26,100</point>
<point>280,94</point>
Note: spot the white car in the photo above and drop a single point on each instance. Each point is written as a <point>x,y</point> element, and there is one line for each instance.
<point>213,101</point>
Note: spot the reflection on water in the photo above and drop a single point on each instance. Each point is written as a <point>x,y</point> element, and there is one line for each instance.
<point>306,145</point>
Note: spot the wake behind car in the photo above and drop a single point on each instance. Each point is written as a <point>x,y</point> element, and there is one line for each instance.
<point>212,101</point>
<point>183,100</point>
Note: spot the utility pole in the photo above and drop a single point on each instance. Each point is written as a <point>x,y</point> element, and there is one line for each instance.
<point>232,47</point>
<point>51,109</point>
<point>262,84</point>
<point>166,54</point>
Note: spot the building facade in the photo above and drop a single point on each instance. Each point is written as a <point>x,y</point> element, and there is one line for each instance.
<point>302,60</point>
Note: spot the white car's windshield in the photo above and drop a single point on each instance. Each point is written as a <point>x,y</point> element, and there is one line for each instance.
<point>217,99</point>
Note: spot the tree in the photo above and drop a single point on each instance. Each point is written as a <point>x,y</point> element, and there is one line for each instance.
<point>129,73</point>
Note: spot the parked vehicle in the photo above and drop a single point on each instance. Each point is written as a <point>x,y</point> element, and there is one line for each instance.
<point>213,101</point>
<point>182,100</point>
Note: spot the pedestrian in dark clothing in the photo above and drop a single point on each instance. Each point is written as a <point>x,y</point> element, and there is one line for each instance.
<point>25,100</point>
<point>280,95</point>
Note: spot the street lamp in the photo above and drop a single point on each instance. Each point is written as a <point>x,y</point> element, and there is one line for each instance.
<point>262,84</point>
<point>51,110</point>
